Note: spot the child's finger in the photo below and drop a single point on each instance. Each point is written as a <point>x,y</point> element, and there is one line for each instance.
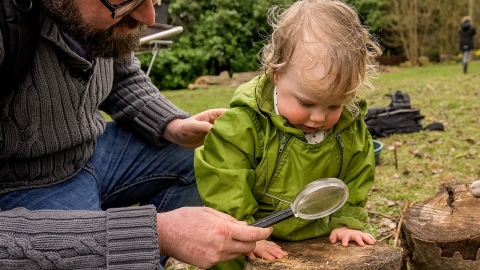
<point>359,240</point>
<point>345,241</point>
<point>369,239</point>
<point>276,250</point>
<point>251,256</point>
<point>333,238</point>
<point>266,255</point>
<point>278,254</point>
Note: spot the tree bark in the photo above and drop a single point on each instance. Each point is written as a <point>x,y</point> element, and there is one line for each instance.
<point>319,253</point>
<point>444,231</point>
<point>470,9</point>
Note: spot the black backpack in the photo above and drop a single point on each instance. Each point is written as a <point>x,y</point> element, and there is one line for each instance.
<point>399,117</point>
<point>20,29</point>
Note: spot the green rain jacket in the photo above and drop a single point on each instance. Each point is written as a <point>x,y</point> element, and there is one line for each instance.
<point>251,152</point>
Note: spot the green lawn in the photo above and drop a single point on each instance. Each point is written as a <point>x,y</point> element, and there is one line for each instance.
<point>425,159</point>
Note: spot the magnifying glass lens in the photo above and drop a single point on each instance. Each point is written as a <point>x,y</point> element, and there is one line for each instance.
<point>318,199</point>
<point>321,200</point>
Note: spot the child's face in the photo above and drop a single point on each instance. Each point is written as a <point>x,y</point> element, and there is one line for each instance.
<point>304,108</point>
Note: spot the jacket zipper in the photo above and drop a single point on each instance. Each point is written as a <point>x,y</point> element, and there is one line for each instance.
<point>283,143</point>
<point>338,139</point>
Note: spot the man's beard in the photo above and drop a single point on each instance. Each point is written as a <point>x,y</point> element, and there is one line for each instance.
<point>104,43</point>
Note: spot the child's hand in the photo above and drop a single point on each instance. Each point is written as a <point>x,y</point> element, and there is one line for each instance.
<point>267,250</point>
<point>346,235</point>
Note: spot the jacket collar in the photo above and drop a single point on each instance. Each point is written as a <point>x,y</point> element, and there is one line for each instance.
<point>51,32</point>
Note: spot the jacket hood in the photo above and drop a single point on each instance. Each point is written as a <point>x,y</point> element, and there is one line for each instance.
<point>258,95</point>
<point>465,25</point>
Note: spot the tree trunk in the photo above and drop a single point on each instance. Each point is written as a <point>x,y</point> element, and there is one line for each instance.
<point>406,12</point>
<point>318,254</point>
<point>444,231</point>
<point>470,9</point>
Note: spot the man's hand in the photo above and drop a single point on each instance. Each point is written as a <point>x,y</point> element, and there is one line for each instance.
<point>191,132</point>
<point>203,237</point>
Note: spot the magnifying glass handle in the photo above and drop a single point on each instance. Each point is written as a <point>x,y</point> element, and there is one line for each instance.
<point>273,218</point>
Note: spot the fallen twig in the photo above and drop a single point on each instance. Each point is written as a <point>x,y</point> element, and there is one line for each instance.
<point>396,159</point>
<point>399,227</point>
<point>386,237</point>
<point>381,214</point>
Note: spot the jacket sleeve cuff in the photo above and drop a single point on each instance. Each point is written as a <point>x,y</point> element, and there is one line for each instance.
<point>249,219</point>
<point>351,216</point>
<point>132,241</point>
<point>351,223</point>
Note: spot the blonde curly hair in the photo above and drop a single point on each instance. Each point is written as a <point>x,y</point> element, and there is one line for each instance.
<point>328,32</point>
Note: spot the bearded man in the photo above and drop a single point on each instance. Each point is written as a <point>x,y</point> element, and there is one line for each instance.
<point>67,178</point>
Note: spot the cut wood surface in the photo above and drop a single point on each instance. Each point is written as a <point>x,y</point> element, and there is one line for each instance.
<point>319,253</point>
<point>444,231</point>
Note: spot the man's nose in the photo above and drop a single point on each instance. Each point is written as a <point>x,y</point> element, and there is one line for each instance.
<point>145,13</point>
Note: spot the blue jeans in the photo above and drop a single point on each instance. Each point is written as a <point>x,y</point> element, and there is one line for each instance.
<point>124,170</point>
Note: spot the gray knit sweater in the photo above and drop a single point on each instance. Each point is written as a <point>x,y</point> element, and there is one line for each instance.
<point>120,238</point>
<point>49,127</point>
<point>48,130</point>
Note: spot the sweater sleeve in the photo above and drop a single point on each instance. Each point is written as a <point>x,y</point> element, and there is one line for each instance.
<point>137,104</point>
<point>120,238</point>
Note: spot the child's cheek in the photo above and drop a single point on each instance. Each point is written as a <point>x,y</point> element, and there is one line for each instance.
<point>296,115</point>
<point>333,119</point>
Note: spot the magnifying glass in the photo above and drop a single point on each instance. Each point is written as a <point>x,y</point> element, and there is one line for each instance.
<point>318,199</point>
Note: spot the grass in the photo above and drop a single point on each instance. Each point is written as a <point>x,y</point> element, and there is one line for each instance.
<point>424,159</point>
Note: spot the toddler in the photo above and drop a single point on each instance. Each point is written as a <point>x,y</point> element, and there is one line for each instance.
<point>300,121</point>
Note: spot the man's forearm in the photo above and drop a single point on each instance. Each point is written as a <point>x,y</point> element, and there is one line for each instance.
<point>117,238</point>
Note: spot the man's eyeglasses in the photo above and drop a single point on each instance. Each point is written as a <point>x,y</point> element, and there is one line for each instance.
<point>122,9</point>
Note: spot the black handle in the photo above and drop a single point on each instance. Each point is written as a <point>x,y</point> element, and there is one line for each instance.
<point>273,218</point>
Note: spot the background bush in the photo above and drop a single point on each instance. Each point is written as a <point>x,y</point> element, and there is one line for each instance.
<point>227,35</point>
<point>218,35</point>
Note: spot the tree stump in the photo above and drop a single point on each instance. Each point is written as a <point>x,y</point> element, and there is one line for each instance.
<point>239,78</point>
<point>319,253</point>
<point>444,231</point>
<point>222,79</point>
<point>192,86</point>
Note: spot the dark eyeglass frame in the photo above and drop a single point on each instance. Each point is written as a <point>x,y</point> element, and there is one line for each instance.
<point>114,8</point>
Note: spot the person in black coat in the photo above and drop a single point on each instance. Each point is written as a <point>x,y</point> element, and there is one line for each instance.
<point>466,32</point>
